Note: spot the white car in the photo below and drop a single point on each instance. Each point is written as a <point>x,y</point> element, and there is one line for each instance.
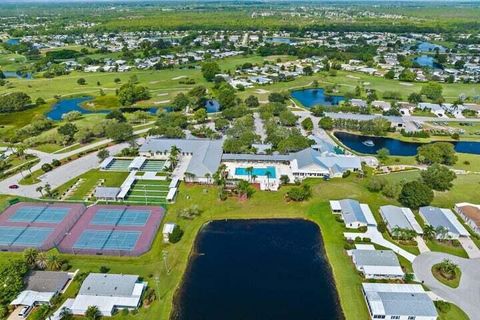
<point>25,311</point>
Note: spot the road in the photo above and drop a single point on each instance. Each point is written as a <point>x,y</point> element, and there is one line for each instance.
<point>467,295</point>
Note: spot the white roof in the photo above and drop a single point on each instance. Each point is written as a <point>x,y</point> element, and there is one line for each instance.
<point>360,246</point>
<point>29,298</point>
<point>105,304</point>
<point>368,214</point>
<point>383,270</point>
<point>171,194</point>
<point>136,163</point>
<point>335,205</point>
<point>168,228</point>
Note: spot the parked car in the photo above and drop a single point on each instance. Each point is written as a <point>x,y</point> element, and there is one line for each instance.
<point>13,186</point>
<point>25,311</point>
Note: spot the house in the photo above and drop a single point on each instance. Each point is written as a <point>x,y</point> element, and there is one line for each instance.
<point>434,108</point>
<point>398,301</point>
<point>358,103</point>
<point>354,214</point>
<point>107,193</point>
<point>383,105</point>
<point>377,264</point>
<point>470,213</point>
<point>41,287</point>
<point>443,218</point>
<point>398,217</point>
<point>167,231</point>
<point>108,292</point>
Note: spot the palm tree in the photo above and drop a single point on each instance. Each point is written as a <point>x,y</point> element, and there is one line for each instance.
<point>429,232</point>
<point>208,177</point>
<point>41,260</point>
<point>268,174</point>
<point>39,189</point>
<point>54,262</point>
<point>254,177</point>
<point>173,157</point>
<point>441,232</point>
<point>447,267</point>
<point>92,313</point>
<point>30,256</point>
<point>249,171</point>
<point>65,314</point>
<point>396,232</point>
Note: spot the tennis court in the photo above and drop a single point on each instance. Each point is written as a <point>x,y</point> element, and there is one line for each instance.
<point>153,165</point>
<point>119,165</point>
<point>36,225</point>
<point>114,230</point>
<point>148,192</point>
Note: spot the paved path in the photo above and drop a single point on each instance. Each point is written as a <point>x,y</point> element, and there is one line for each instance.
<point>467,295</point>
<point>470,247</point>
<point>422,246</point>
<point>259,127</point>
<point>373,234</point>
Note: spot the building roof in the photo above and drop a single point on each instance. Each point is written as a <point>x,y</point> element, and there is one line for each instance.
<point>206,154</point>
<point>353,211</point>
<point>439,217</point>
<point>471,211</point>
<point>375,258</point>
<point>113,285</point>
<point>400,217</point>
<point>168,228</point>
<point>107,192</point>
<point>30,298</point>
<point>46,281</point>
<point>398,299</point>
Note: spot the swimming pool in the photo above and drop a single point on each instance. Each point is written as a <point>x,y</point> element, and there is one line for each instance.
<point>259,172</point>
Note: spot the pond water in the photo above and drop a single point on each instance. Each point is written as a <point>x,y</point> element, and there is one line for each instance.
<point>280,40</point>
<point>17,75</point>
<point>212,106</point>
<point>13,41</point>
<point>396,147</point>
<point>75,104</point>
<point>258,269</point>
<point>428,47</point>
<point>313,97</point>
<point>427,61</point>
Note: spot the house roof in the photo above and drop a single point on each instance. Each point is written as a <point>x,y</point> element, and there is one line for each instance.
<point>375,258</point>
<point>107,192</point>
<point>472,212</point>
<point>400,217</point>
<point>114,285</point>
<point>46,281</point>
<point>439,217</point>
<point>398,299</point>
<point>351,211</point>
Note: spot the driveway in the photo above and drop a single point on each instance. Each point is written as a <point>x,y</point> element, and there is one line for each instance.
<point>467,295</point>
<point>470,247</point>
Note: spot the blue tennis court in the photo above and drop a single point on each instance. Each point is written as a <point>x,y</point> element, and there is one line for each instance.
<point>52,215</point>
<point>107,217</point>
<point>33,236</point>
<point>122,240</point>
<point>134,218</point>
<point>107,240</point>
<point>9,234</point>
<point>26,214</point>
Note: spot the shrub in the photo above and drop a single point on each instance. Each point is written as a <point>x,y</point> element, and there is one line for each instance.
<point>176,235</point>
<point>104,269</point>
<point>46,167</point>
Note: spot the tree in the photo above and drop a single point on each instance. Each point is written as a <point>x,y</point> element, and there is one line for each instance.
<point>226,97</point>
<point>415,194</point>
<point>437,152</point>
<point>42,260</point>
<point>299,193</point>
<point>180,102</point>
<point>390,74</point>
<point>415,98</point>
<point>46,167</point>
<point>276,97</point>
<point>176,234</point>
<point>173,157</point>
<point>15,101</point>
<point>54,263</point>
<point>308,71</point>
<point>11,279</point>
<point>209,70</point>
<point>103,154</point>
<point>383,154</point>
<point>200,115</point>
<point>244,189</point>
<point>117,115</point>
<point>119,131</point>
<point>92,313</point>
<point>447,267</point>
<point>376,184</point>
<point>432,90</point>
<point>407,75</point>
<point>284,179</point>
<point>68,130</point>
<point>65,314</point>
<point>326,123</point>
<point>130,93</point>
<point>30,256</point>
<point>81,81</point>
<point>438,177</point>
<point>307,124</point>
<point>252,102</point>
<point>429,232</point>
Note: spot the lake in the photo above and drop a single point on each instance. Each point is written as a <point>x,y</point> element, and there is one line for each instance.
<point>258,269</point>
<point>428,47</point>
<point>313,97</point>
<point>13,41</point>
<point>396,147</point>
<point>75,104</point>
<point>212,106</point>
<point>280,40</point>
<point>427,61</point>
<point>17,75</point>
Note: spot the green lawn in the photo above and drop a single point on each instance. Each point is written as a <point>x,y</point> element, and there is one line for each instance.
<point>447,248</point>
<point>454,313</point>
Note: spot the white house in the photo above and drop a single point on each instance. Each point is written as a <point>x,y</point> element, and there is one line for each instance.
<point>399,217</point>
<point>470,213</point>
<point>398,301</point>
<point>443,218</point>
<point>377,264</point>
<point>354,214</point>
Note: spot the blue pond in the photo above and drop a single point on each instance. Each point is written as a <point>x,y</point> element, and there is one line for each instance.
<point>280,40</point>
<point>12,42</point>
<point>428,47</point>
<point>396,147</point>
<point>17,75</point>
<point>258,269</point>
<point>427,61</point>
<point>259,172</point>
<point>75,104</point>
<point>313,97</point>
